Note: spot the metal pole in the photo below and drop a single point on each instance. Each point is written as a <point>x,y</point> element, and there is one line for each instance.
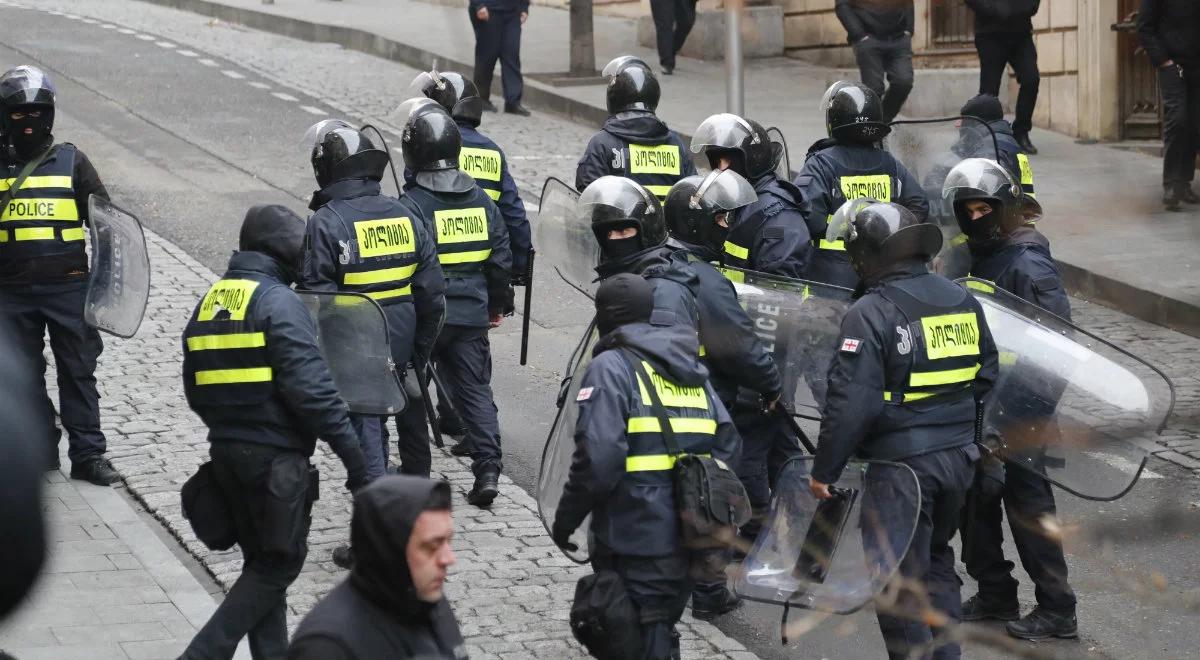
<point>734,82</point>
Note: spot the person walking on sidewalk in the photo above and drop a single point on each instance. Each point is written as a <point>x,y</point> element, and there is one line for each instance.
<point>673,21</point>
<point>880,32</point>
<point>44,268</point>
<point>1003,36</point>
<point>1169,31</point>
<point>253,372</point>
<point>497,25</point>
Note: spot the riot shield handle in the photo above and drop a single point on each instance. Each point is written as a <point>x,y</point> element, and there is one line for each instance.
<point>528,305</point>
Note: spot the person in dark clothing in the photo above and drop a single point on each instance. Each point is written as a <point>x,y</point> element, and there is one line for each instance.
<point>634,142</point>
<point>741,368</point>
<point>621,471</point>
<point>1169,31</point>
<point>974,144</point>
<point>497,25</point>
<point>897,392</point>
<point>392,605</point>
<point>880,32</point>
<point>44,267</point>
<point>253,372</point>
<point>1003,36</point>
<point>673,21</point>
<point>847,165</point>
<point>1008,252</point>
<point>363,241</point>
<point>473,248</point>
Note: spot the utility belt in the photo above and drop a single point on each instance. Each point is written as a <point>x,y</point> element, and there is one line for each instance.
<point>49,269</point>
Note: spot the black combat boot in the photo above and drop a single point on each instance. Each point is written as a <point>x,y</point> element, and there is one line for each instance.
<point>486,488</point>
<point>463,447</point>
<point>1188,195</point>
<point>1043,624</point>
<point>708,606</point>
<point>1025,144</point>
<point>343,557</point>
<point>1171,198</point>
<point>978,608</point>
<point>96,470</point>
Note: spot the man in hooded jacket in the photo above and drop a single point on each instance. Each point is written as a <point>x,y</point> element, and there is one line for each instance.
<point>634,142</point>
<point>621,471</point>
<point>392,605</point>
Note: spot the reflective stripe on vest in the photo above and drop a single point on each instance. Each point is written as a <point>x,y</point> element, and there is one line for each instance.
<point>387,258</point>
<point>486,166</point>
<point>692,419</point>
<point>224,347</point>
<point>44,211</point>
<point>737,250</point>
<point>653,462</point>
<point>462,235</point>
<point>944,347</point>
<point>1026,175</point>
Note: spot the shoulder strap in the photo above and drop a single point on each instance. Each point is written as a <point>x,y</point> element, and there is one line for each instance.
<point>20,180</point>
<point>664,421</point>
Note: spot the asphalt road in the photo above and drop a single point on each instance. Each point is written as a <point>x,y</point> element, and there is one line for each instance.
<point>188,140</point>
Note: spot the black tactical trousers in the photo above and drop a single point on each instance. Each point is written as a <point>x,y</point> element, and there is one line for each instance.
<point>268,490</point>
<point>1180,90</point>
<point>412,443</point>
<point>30,312</point>
<point>464,361</point>
<point>944,476</point>
<point>673,21</point>
<point>759,436</point>
<point>659,588</point>
<point>1026,499</point>
<point>890,56</point>
<point>996,50</point>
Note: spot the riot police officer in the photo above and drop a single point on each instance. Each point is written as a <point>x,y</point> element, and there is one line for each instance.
<point>847,165</point>
<point>621,472</point>
<point>252,370</point>
<point>634,142</point>
<point>1007,251</point>
<point>741,369</point>
<point>363,241</point>
<point>987,108</point>
<point>43,265</point>
<point>473,248</point>
<point>769,235</point>
<point>899,390</point>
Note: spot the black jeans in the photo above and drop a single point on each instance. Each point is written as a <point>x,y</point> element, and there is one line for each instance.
<point>1026,498</point>
<point>272,506</point>
<point>76,347</point>
<point>673,21</point>
<point>997,49</point>
<point>1181,124</point>
<point>659,587</point>
<point>499,38</point>
<point>877,56</point>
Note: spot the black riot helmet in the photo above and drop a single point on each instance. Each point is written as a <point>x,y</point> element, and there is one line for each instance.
<point>430,139</point>
<point>453,91</point>
<point>276,231</point>
<point>613,202</point>
<point>339,152</point>
<point>695,203</point>
<point>879,235</point>
<point>853,112</point>
<point>744,141</point>
<point>631,85</point>
<point>983,180</point>
<point>27,89</point>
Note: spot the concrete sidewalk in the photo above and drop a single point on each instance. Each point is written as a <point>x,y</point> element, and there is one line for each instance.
<point>1103,213</point>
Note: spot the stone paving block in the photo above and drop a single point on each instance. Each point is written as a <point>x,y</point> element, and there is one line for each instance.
<point>143,613</point>
<point>119,632</point>
<point>82,564</point>
<point>156,650</point>
<point>98,651</point>
<point>112,579</point>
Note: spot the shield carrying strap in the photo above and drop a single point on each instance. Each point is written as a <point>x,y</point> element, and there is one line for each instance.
<point>32,165</point>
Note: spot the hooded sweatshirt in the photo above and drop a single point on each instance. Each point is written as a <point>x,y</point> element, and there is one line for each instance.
<point>633,511</point>
<point>375,613</point>
<point>637,145</point>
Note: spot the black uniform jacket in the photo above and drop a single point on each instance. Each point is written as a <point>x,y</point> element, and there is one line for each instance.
<point>1022,266</point>
<point>304,403</point>
<point>876,354</point>
<point>770,236</point>
<point>633,513</point>
<point>608,151</point>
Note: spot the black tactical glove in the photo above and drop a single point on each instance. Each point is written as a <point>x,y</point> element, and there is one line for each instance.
<point>502,301</point>
<point>562,537</point>
<point>356,466</point>
<point>989,477</point>
<point>518,279</point>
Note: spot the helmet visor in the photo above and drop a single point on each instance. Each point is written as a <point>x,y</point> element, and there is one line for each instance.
<point>316,134</point>
<point>614,192</point>
<point>425,84</point>
<point>724,189</point>
<point>827,97</point>
<point>839,225</point>
<point>410,108</point>
<point>724,130</point>
<point>978,177</point>
<point>619,63</point>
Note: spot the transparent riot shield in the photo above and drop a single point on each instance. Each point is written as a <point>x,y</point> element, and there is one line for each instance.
<point>560,447</point>
<point>832,555</point>
<point>564,240</point>
<point>1068,405</point>
<point>119,282</point>
<point>783,169</point>
<point>929,149</point>
<point>353,335</point>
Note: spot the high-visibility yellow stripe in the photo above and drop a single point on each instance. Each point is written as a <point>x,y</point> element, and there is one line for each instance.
<point>838,245</point>
<point>38,182</point>
<point>3,235</point>
<point>737,250</point>
<point>733,275</point>
<point>652,462</point>
<point>480,163</point>
<point>234,376</point>
<point>654,159</point>
<point>380,276</point>
<point>911,396</point>
<point>980,286</point>
<point>660,192</point>
<point>1008,358</point>
<point>948,377</point>
<point>73,234</point>
<point>391,293</point>
<point>40,208</point>
<point>234,340</point>
<point>465,257</point>
<point>34,234</point>
<point>494,194</point>
<point>678,424</point>
<point>958,240</point>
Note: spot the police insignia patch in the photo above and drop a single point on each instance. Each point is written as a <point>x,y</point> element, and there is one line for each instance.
<point>851,345</point>
<point>584,394</point>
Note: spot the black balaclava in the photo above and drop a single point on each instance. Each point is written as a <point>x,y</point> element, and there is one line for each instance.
<point>40,130</point>
<point>623,299</point>
<point>617,251</point>
<point>384,515</point>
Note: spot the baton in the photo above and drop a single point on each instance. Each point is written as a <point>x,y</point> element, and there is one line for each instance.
<point>528,304</point>
<point>781,412</point>
<point>430,411</point>
<point>443,394</point>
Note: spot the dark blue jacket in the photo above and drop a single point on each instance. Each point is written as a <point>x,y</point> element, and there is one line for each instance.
<point>770,236</point>
<point>1022,266</point>
<point>674,282</point>
<point>634,513</point>
<point>609,153</point>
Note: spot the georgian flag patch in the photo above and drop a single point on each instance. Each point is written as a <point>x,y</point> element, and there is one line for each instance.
<point>851,345</point>
<point>584,394</point>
